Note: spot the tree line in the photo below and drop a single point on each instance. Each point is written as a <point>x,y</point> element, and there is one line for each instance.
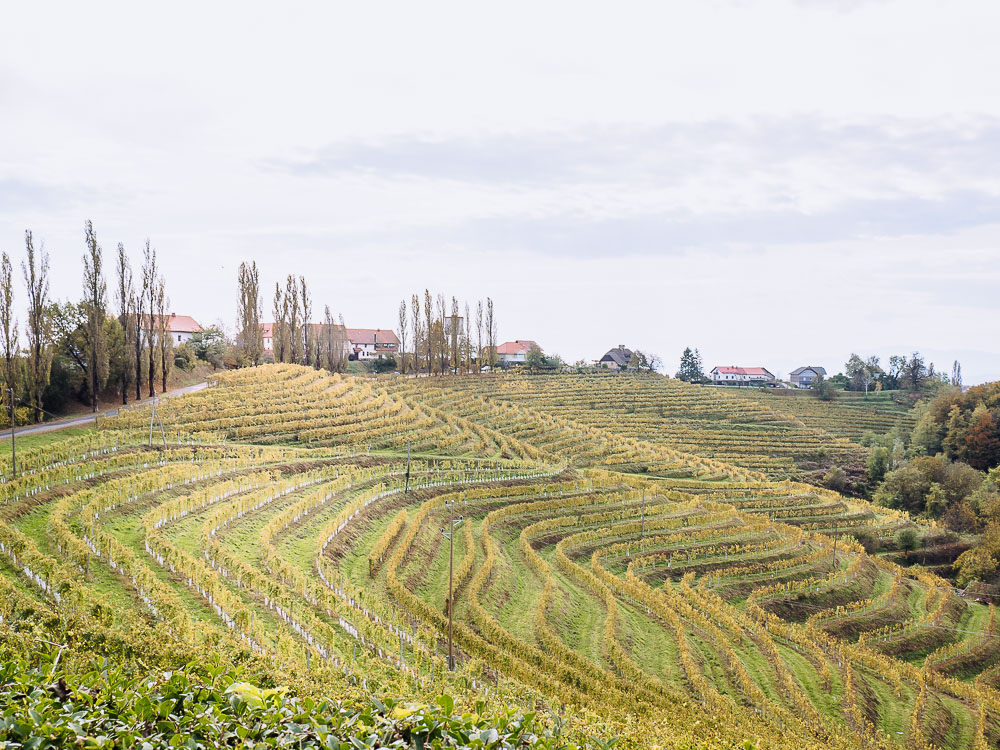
<point>79,348</point>
<point>436,337</point>
<point>295,338</point>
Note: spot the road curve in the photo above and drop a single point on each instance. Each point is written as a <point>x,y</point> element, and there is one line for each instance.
<point>62,424</point>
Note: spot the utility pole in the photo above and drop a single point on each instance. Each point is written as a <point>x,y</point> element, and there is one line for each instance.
<point>407,466</point>
<point>450,534</point>
<point>13,449</point>
<point>642,531</point>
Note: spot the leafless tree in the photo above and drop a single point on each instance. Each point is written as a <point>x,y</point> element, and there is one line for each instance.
<point>468,341</point>
<point>8,325</point>
<point>294,320</point>
<point>308,334</point>
<point>166,342</point>
<point>455,330</point>
<point>417,330</point>
<point>491,333</point>
<point>479,336</point>
<point>279,330</point>
<point>138,322</point>
<point>403,323</point>
<point>150,275</point>
<point>95,296</point>
<point>125,297</point>
<point>429,330</point>
<point>249,313</point>
<point>441,344</point>
<point>39,328</point>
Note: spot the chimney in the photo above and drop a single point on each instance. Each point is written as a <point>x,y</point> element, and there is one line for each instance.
<point>173,315</point>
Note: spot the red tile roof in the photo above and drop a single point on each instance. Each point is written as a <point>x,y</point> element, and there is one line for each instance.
<point>180,323</point>
<point>520,346</point>
<point>362,336</point>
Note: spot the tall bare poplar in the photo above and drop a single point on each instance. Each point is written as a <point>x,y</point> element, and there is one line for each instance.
<point>491,333</point>
<point>294,320</point>
<point>308,335</point>
<point>468,341</point>
<point>442,341</point>
<point>95,300</point>
<point>39,327</point>
<point>8,326</point>
<point>249,312</point>
<point>403,324</point>
<point>139,322</point>
<point>417,324</point>
<point>125,297</point>
<point>279,333</point>
<point>429,329</point>
<point>150,275</point>
<point>456,332</point>
<point>479,336</point>
<point>164,340</point>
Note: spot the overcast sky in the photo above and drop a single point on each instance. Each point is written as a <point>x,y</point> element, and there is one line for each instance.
<point>776,183</point>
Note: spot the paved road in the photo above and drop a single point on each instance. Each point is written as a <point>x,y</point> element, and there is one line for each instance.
<point>62,424</point>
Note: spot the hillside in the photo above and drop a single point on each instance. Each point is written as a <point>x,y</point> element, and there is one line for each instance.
<point>635,558</point>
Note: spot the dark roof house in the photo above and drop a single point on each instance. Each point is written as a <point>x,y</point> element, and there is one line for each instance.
<point>618,357</point>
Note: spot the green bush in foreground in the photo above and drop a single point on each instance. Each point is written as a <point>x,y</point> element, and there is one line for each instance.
<point>209,707</point>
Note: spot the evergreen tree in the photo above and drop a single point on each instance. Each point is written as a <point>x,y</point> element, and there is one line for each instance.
<point>690,368</point>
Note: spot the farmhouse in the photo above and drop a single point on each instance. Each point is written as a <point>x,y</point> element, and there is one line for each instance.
<point>741,375</point>
<point>372,343</point>
<point>180,327</point>
<point>803,377</point>
<point>515,352</point>
<point>616,359</point>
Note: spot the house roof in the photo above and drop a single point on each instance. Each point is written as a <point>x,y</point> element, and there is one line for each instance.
<point>619,355</point>
<point>800,370</point>
<point>362,336</point>
<point>181,323</point>
<point>518,346</point>
<point>733,370</point>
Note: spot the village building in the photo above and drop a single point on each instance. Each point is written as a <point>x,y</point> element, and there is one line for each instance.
<point>515,352</point>
<point>803,377</point>
<point>733,375</point>
<point>181,328</point>
<point>616,359</point>
<point>372,343</point>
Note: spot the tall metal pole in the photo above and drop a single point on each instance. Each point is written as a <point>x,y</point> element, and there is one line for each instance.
<point>407,466</point>
<point>13,449</point>
<point>451,593</point>
<point>642,532</point>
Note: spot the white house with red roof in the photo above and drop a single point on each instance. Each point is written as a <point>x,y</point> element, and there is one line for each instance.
<point>180,327</point>
<point>372,343</point>
<point>733,375</point>
<point>515,352</point>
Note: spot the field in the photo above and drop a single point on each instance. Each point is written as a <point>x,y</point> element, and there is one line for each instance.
<point>632,557</point>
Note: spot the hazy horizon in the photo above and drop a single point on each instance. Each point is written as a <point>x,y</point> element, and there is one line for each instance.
<point>775,183</point>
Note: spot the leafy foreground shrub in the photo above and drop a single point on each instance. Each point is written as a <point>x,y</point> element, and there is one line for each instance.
<point>209,708</point>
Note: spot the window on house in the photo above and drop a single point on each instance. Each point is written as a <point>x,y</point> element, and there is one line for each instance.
<point>178,337</point>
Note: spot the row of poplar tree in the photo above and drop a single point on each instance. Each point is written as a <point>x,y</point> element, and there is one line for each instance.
<point>438,338</point>
<point>295,338</point>
<point>94,342</point>
<point>433,337</point>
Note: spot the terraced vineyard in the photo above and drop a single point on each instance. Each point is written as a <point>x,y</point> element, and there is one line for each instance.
<point>629,556</point>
